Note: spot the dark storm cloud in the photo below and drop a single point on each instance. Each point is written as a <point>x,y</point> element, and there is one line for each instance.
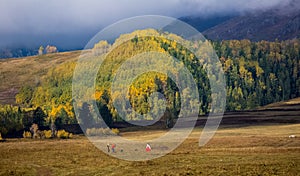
<point>33,21</point>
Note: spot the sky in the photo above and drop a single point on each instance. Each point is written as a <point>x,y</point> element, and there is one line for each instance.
<point>71,23</point>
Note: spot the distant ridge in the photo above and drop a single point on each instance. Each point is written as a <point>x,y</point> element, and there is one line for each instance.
<point>205,23</point>
<point>282,23</point>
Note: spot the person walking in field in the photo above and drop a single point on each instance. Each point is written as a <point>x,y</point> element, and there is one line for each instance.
<point>113,146</point>
<point>108,149</point>
<point>148,148</point>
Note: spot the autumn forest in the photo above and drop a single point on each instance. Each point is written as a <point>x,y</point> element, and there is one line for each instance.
<point>256,74</point>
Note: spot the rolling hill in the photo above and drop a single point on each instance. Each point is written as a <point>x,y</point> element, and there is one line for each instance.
<point>15,73</point>
<point>204,23</point>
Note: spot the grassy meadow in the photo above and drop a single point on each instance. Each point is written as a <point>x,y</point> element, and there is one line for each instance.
<point>252,150</point>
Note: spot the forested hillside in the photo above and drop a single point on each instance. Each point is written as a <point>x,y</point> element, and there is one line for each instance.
<point>257,73</point>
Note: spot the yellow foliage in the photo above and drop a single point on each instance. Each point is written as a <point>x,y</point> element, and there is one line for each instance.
<point>63,134</point>
<point>68,108</point>
<point>47,134</point>
<point>272,76</point>
<point>98,95</point>
<point>27,134</point>
<point>55,110</point>
<point>173,44</point>
<point>116,131</point>
<point>101,131</point>
<point>228,64</point>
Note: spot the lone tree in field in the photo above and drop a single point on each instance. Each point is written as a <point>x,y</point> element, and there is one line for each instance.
<point>36,133</point>
<point>51,49</point>
<point>41,50</point>
<point>53,129</point>
<point>34,130</point>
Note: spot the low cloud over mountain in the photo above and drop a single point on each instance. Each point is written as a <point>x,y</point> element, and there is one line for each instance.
<point>70,24</point>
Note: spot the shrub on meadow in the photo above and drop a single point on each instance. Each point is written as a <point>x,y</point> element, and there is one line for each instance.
<point>27,134</point>
<point>93,131</point>
<point>116,131</point>
<point>48,134</point>
<point>102,131</point>
<point>62,134</point>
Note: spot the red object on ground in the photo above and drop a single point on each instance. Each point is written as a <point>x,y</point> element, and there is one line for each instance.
<point>113,146</point>
<point>148,148</point>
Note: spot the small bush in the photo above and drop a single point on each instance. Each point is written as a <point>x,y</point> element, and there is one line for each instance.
<point>93,131</point>
<point>101,131</point>
<point>27,134</point>
<point>48,134</point>
<point>115,131</point>
<point>63,134</point>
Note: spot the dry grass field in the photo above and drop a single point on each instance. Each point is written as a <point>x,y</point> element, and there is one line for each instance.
<point>246,143</point>
<point>252,150</point>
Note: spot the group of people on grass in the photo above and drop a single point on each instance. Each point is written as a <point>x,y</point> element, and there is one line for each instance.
<point>113,146</point>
